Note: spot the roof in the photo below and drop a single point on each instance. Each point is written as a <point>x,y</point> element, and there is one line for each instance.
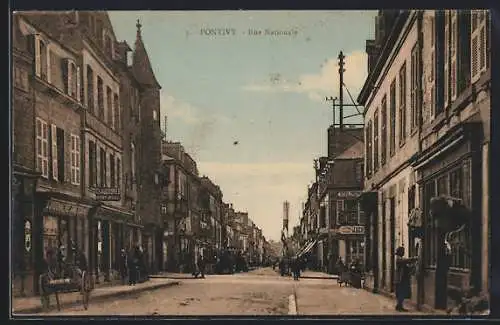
<point>355,151</point>
<point>141,65</point>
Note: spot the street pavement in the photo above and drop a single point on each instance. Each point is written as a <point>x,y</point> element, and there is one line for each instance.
<point>259,292</point>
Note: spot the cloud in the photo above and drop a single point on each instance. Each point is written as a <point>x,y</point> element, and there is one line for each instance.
<point>199,124</point>
<point>259,188</point>
<point>323,83</point>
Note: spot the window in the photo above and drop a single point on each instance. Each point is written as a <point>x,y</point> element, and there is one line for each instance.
<point>155,115</point>
<point>118,173</point>
<point>132,161</point>
<point>72,78</point>
<point>41,58</point>
<point>402,104</point>
<point>103,180</point>
<point>339,208</point>
<point>42,150</point>
<point>369,149</point>
<point>322,217</point>
<point>392,117</point>
<point>375,141</point>
<point>92,164</point>
<point>156,179</point>
<point>112,170</point>
<point>21,79</point>
<point>414,88</point>
<point>90,89</point>
<point>351,212</point>
<point>75,159</point>
<point>359,172</point>
<point>479,43</point>
<point>116,112</point>
<point>100,98</point>
<point>53,135</point>
<point>109,106</point>
<point>383,132</point>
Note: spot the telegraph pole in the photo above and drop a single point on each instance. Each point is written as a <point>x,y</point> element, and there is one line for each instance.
<point>333,100</point>
<point>341,88</point>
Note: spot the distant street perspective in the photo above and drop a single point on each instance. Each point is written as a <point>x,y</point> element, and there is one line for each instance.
<point>257,292</point>
<point>250,163</point>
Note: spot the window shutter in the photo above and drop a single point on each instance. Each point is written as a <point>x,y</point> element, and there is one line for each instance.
<point>474,51</point>
<point>78,85</point>
<point>49,70</point>
<point>446,57</point>
<point>453,56</point>
<point>55,168</point>
<point>38,67</point>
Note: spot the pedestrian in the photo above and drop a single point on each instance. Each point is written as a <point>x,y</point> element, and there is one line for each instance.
<point>123,265</point>
<point>201,266</point>
<point>132,264</point>
<point>404,268</point>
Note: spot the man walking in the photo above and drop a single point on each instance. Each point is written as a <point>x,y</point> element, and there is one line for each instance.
<point>201,266</point>
<point>123,264</point>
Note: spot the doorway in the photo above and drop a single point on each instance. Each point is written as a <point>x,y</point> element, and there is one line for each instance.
<point>392,244</point>
<point>384,247</point>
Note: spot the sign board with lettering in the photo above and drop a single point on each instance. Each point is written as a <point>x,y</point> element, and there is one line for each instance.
<point>349,194</point>
<point>351,230</point>
<point>107,193</point>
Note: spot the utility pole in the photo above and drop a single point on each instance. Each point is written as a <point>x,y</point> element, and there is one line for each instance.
<point>333,100</point>
<point>341,88</point>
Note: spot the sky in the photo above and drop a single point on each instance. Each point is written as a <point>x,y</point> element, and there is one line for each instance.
<point>257,79</point>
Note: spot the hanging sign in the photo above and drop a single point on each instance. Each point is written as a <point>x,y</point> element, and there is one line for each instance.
<point>27,236</point>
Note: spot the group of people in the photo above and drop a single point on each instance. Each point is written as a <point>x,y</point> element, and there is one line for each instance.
<point>133,265</point>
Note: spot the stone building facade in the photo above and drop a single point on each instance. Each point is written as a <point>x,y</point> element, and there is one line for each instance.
<point>68,141</point>
<point>433,77</point>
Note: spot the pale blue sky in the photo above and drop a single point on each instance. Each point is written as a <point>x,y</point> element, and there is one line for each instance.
<point>266,92</point>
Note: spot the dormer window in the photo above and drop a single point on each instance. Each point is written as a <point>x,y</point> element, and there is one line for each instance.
<point>41,53</point>
<point>72,80</point>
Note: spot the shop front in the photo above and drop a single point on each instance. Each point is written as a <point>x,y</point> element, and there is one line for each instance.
<point>109,236</point>
<point>451,169</point>
<point>60,221</point>
<point>351,244</point>
<point>23,203</point>
<point>369,205</point>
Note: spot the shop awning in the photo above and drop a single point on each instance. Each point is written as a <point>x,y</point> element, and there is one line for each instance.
<point>307,248</point>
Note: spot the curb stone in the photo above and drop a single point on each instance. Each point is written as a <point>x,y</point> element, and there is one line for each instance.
<point>102,297</point>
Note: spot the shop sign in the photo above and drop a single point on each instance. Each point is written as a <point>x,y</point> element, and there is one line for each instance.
<point>107,193</point>
<point>50,226</point>
<point>27,236</point>
<point>351,230</point>
<point>349,194</point>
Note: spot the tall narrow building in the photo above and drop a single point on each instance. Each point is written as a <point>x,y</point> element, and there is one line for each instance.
<point>149,151</point>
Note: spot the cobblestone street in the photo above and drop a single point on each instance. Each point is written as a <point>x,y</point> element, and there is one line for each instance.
<point>259,292</point>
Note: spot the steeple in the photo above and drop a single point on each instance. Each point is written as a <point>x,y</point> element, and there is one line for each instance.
<point>141,65</point>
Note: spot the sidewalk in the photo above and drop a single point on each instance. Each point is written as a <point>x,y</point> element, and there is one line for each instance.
<point>171,275</point>
<point>331,299</point>
<point>317,275</point>
<point>32,305</point>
